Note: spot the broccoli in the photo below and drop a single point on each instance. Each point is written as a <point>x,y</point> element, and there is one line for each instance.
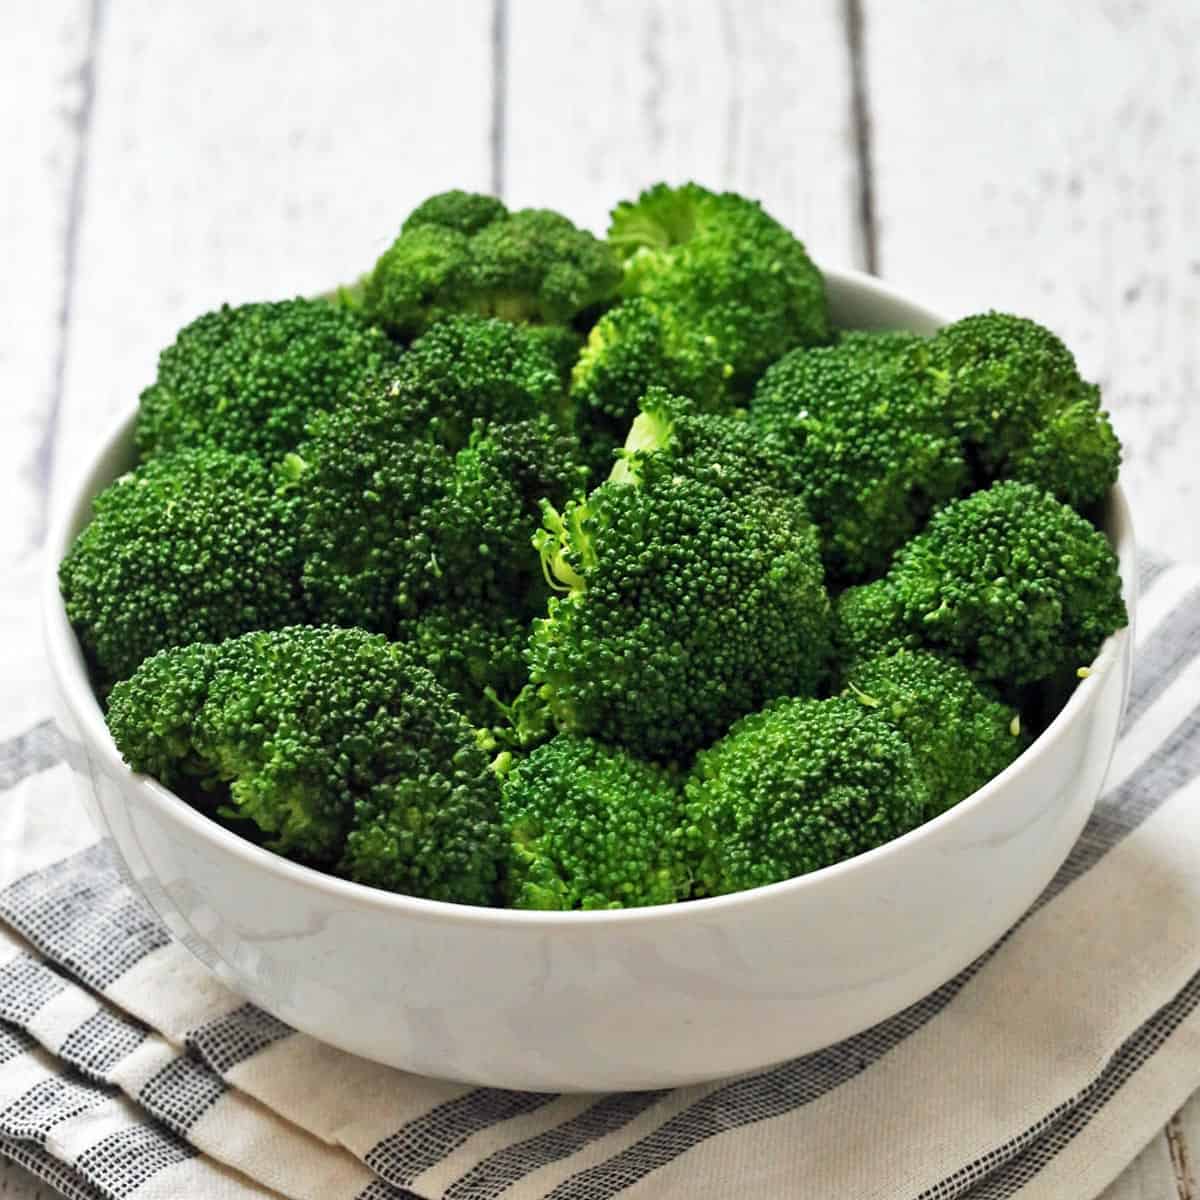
<point>720,266</point>
<point>682,607</point>
<point>867,623</point>
<point>336,744</point>
<point>866,453</point>
<point>248,378</point>
<point>465,253</point>
<point>1014,395</point>
<point>633,347</point>
<point>796,787</point>
<point>472,368</point>
<point>563,344</point>
<point>391,519</point>
<point>1011,581</point>
<point>189,547</point>
<point>960,734</point>
<point>592,827</point>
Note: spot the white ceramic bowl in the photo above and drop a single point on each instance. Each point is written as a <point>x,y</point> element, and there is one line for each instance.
<point>642,998</point>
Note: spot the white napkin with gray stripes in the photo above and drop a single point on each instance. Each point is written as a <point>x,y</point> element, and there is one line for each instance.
<point>128,1071</point>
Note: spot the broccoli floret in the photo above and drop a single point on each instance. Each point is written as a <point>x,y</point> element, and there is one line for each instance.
<point>336,744</point>
<point>796,787</point>
<point>682,608</point>
<point>248,378</point>
<point>563,344</point>
<point>863,447</point>
<point>1015,396</point>
<point>961,735</point>
<point>720,449</point>
<point>473,368</point>
<point>1012,582</point>
<point>592,827</point>
<point>364,491</point>
<point>867,622</point>
<point>492,509</point>
<point>638,345</point>
<point>460,252</point>
<point>476,652</point>
<point>724,268</point>
<point>189,547</point>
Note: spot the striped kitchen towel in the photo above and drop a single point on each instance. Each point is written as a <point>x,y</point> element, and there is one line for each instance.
<point>128,1070</point>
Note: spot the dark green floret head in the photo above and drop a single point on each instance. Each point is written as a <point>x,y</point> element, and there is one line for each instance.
<point>638,345</point>
<point>1011,581</point>
<point>249,378</point>
<point>189,547</point>
<point>681,608</point>
<point>861,445</point>
<point>1015,395</point>
<point>469,369</point>
<point>801,785</point>
<point>365,491</point>
<point>465,253</point>
<point>720,265</point>
<point>341,749</point>
<point>868,622</point>
<point>960,733</point>
<point>591,827</point>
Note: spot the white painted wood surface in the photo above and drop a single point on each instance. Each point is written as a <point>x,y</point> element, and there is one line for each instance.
<point>1042,157</point>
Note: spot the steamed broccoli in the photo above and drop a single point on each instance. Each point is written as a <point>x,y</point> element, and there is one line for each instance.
<point>1010,580</point>
<point>591,827</point>
<point>867,454</point>
<point>633,347</point>
<point>718,265</point>
<point>1015,397</point>
<point>796,787</point>
<point>248,378</point>
<point>682,608</point>
<point>464,253</point>
<point>189,547</point>
<point>336,744</point>
<point>961,735</point>
<point>473,368</point>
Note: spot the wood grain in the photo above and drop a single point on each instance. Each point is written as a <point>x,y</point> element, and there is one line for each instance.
<point>606,97</point>
<point>248,151</point>
<point>1043,157</point>
<point>43,123</point>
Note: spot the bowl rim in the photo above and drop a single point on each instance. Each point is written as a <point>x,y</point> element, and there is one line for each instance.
<point>69,672</point>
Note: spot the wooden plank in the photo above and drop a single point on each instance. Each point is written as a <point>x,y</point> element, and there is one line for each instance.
<point>1151,1176</point>
<point>249,151</point>
<point>605,97</point>
<point>44,95</point>
<point>17,1184</point>
<point>1042,157</point>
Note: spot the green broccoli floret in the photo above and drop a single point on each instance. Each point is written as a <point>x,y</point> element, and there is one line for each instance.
<point>682,608</point>
<point>1015,396</point>
<point>464,253</point>
<point>467,369</point>
<point>248,378</point>
<point>862,445</point>
<point>867,622</point>
<point>492,509</point>
<point>189,547</point>
<point>1012,582</point>
<point>563,344</point>
<point>725,269</point>
<point>636,346</point>
<point>796,787</point>
<point>592,827</point>
<point>364,493</point>
<point>336,744</point>
<point>961,735</point>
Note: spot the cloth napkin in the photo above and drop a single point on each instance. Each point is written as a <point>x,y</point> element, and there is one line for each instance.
<point>128,1070</point>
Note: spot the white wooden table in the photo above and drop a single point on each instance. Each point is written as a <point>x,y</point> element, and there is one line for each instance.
<point>162,157</point>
